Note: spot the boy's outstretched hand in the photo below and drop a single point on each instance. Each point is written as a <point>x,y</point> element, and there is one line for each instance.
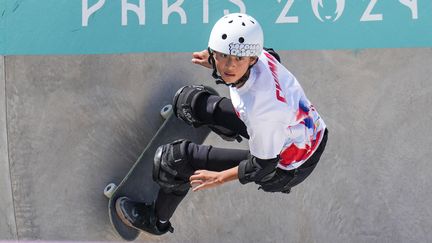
<point>204,179</point>
<point>201,58</point>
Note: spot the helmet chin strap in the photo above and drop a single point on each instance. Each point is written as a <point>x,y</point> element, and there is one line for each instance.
<point>218,78</point>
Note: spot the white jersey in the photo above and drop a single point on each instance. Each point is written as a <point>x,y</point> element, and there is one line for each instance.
<point>280,120</point>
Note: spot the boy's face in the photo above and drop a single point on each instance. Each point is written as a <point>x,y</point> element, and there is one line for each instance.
<point>232,68</point>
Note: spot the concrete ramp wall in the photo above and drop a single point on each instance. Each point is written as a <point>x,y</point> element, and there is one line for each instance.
<point>7,224</point>
<point>71,124</point>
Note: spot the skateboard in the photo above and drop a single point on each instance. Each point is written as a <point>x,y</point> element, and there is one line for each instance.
<point>138,184</point>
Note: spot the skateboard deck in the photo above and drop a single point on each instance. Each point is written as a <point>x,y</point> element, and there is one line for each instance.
<point>138,183</point>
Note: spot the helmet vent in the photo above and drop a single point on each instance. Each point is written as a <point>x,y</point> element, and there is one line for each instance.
<point>224,36</point>
<point>230,21</point>
<point>241,39</point>
<point>252,22</point>
<point>243,24</point>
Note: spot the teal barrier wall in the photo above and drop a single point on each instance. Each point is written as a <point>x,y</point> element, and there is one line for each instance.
<point>123,26</point>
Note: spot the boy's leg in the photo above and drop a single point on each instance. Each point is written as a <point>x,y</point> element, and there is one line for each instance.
<point>199,105</point>
<point>225,116</point>
<point>174,164</point>
<point>197,157</point>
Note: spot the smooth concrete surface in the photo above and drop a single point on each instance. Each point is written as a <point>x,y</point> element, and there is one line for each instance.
<point>76,123</point>
<point>7,224</point>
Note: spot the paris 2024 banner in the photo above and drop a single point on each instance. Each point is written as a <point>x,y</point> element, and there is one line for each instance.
<point>35,27</point>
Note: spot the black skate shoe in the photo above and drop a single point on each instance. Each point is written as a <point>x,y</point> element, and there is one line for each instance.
<point>140,216</point>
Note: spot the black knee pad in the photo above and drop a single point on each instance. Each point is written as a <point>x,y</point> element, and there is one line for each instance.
<point>171,168</point>
<point>186,107</point>
<point>185,103</point>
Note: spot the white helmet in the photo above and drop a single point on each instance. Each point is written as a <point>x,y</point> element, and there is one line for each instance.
<point>237,34</point>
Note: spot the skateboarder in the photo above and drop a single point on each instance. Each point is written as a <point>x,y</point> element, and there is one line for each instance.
<point>268,107</point>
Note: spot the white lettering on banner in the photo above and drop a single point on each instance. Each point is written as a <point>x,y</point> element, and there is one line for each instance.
<point>168,10</point>
<point>340,7</point>
<point>139,10</point>
<point>205,11</point>
<point>283,18</point>
<point>367,16</point>
<point>240,4</point>
<point>87,12</point>
<point>411,4</point>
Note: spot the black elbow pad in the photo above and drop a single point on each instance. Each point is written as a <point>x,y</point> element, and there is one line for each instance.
<point>255,169</point>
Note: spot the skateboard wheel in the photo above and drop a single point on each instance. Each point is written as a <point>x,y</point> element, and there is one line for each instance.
<point>109,190</point>
<point>166,111</point>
